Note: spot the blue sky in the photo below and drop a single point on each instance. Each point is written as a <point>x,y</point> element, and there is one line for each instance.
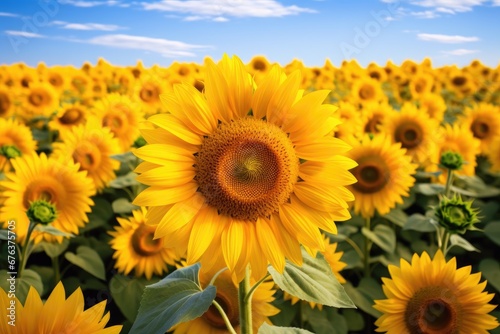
<point>62,32</point>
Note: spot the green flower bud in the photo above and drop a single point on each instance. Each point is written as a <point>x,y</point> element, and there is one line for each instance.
<point>10,151</point>
<point>41,212</point>
<point>451,160</point>
<point>140,142</point>
<point>456,215</point>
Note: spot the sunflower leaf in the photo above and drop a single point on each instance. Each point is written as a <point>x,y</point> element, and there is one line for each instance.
<point>490,269</point>
<point>456,240</point>
<point>420,223</point>
<point>313,282</point>
<point>176,298</point>
<point>53,231</point>
<point>492,231</point>
<point>29,278</point>
<point>87,259</point>
<point>383,236</point>
<point>268,329</point>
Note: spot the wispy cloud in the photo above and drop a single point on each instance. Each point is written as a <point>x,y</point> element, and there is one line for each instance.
<point>23,34</point>
<point>87,26</point>
<point>164,47</point>
<point>449,39</point>
<point>211,9</point>
<point>453,6</point>
<point>9,14</point>
<point>87,4</point>
<point>426,14</point>
<point>459,52</point>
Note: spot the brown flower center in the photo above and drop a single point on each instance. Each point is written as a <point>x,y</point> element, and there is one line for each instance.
<point>72,116</point>
<point>38,98</point>
<point>143,241</point>
<point>47,189</point>
<point>480,129</point>
<point>4,103</point>
<point>259,65</point>
<point>367,92</point>
<point>213,317</point>
<point>433,310</point>
<point>372,175</point>
<point>88,156</point>
<point>459,81</point>
<point>247,168</point>
<point>409,135</point>
<point>56,80</point>
<point>373,124</point>
<point>149,93</point>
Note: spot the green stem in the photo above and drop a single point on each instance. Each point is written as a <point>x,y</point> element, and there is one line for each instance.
<point>449,181</point>
<point>245,304</point>
<point>57,271</point>
<point>223,314</point>
<point>254,287</point>
<point>444,243</point>
<point>366,254</point>
<point>355,247</point>
<point>212,281</point>
<point>26,247</point>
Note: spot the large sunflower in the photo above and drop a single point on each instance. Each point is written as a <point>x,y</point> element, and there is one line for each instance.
<point>68,116</point>
<point>91,146</point>
<point>384,174</point>
<point>244,174</point>
<point>416,132</point>
<point>483,120</point>
<point>211,322</point>
<point>15,140</point>
<point>433,296</point>
<point>41,178</point>
<point>56,315</point>
<point>135,248</point>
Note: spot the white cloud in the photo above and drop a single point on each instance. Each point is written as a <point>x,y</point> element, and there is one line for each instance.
<point>23,34</point>
<point>460,52</point>
<point>452,6</point>
<point>9,14</point>
<point>220,19</point>
<point>426,14</point>
<point>225,8</point>
<point>496,2</point>
<point>166,48</point>
<point>87,26</point>
<point>449,39</point>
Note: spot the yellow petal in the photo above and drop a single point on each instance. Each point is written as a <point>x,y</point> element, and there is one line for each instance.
<point>323,149</point>
<point>281,102</point>
<point>176,127</point>
<point>206,230</point>
<point>299,226</point>
<point>231,242</point>
<point>166,177</point>
<point>269,244</point>
<point>161,154</point>
<point>156,196</point>
<point>266,90</point>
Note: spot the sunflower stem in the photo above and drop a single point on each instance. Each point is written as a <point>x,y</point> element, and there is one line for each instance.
<point>366,255</point>
<point>27,245</point>
<point>248,297</point>
<point>223,314</point>
<point>449,181</point>
<point>444,243</point>
<point>57,270</point>
<point>245,304</point>
<point>355,247</point>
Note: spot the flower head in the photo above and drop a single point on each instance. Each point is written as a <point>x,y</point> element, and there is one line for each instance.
<point>456,215</point>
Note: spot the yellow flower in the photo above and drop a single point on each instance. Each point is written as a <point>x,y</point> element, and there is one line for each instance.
<point>38,178</point>
<point>483,120</point>
<point>374,115</point>
<point>6,102</point>
<point>211,321</point>
<point>420,84</point>
<point>121,116</point>
<point>148,90</point>
<point>494,155</point>
<point>367,90</point>
<point>352,124</point>
<point>415,131</point>
<point>433,296</point>
<point>135,248</point>
<point>433,104</point>
<point>57,77</point>
<point>57,314</point>
<point>15,140</point>
<point>41,99</point>
<point>244,174</point>
<point>91,146</point>
<point>384,174</point>
<point>68,116</point>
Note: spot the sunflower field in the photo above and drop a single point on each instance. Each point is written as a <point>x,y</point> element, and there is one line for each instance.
<point>232,197</point>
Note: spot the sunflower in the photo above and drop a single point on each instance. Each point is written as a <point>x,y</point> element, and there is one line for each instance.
<point>433,296</point>
<point>333,259</point>
<point>68,116</point>
<point>376,72</point>
<point>374,115</point>
<point>211,321</point>
<point>136,249</point>
<point>384,174</point>
<point>420,84</point>
<point>56,76</point>
<point>57,314</point>
<point>352,124</point>
<point>433,104</point>
<point>483,120</point>
<point>366,90</point>
<point>415,131</point>
<point>15,140</point>
<point>41,99</point>
<point>147,92</point>
<point>457,139</point>
<point>91,146</point>
<point>245,174</point>
<point>39,178</point>
<point>6,102</point>
<point>121,115</point>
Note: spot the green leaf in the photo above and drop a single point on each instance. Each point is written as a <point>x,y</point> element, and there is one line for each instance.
<point>123,205</point>
<point>87,259</point>
<point>355,321</point>
<point>22,284</point>
<point>492,231</point>
<point>429,189</point>
<point>383,236</point>
<point>313,282</point>
<point>287,311</point>
<point>325,321</point>
<point>490,270</point>
<point>176,298</point>
<point>268,329</point>
<point>456,240</point>
<point>4,234</point>
<point>127,293</point>
<point>54,249</point>
<point>397,216</point>
<point>53,231</point>
<point>101,213</point>
<point>361,300</point>
<point>420,223</point>
<point>124,181</point>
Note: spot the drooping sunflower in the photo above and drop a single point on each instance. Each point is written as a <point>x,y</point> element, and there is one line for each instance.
<point>483,120</point>
<point>57,314</point>
<point>15,140</point>
<point>384,174</point>
<point>416,132</point>
<point>68,116</point>
<point>244,174</point>
<point>41,99</point>
<point>433,296</point>
<point>211,322</point>
<point>137,250</point>
<point>333,258</point>
<point>38,178</point>
<point>91,146</point>
<point>121,115</point>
